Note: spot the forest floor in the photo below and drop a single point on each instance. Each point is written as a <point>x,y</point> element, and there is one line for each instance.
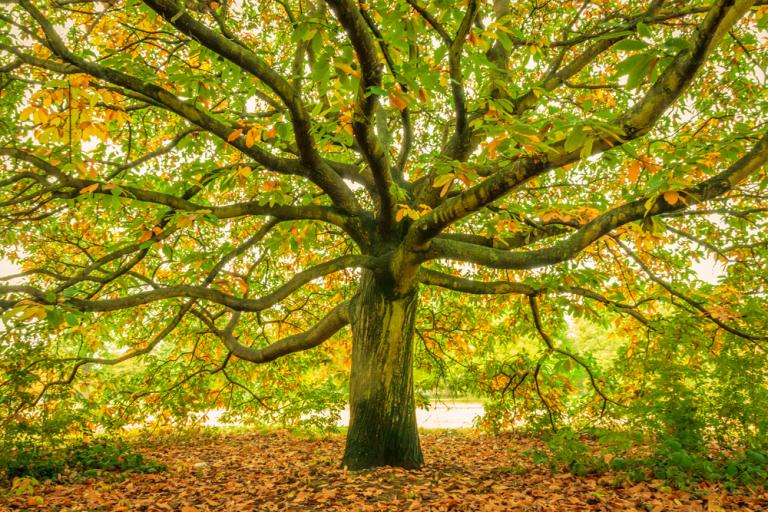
<point>265,471</point>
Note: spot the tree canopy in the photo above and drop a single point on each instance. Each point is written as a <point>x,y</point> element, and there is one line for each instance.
<point>190,187</point>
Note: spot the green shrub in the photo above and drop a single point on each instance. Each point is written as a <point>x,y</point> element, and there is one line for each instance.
<point>87,459</point>
<point>671,459</point>
<point>109,456</point>
<point>31,462</point>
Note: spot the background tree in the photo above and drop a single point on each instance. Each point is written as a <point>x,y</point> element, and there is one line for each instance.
<point>197,185</point>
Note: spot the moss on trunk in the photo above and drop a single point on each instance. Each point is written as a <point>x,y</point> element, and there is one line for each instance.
<point>382,429</point>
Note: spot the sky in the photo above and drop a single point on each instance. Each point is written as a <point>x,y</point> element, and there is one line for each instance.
<point>7,268</point>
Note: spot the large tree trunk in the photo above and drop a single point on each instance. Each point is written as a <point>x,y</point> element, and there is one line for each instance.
<point>382,428</point>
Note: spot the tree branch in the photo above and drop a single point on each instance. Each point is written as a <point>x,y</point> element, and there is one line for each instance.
<point>196,292</point>
<point>634,123</point>
<point>329,325</point>
<point>551,346</point>
<point>76,185</point>
<point>319,171</point>
<point>669,288</point>
<point>366,104</point>
<point>709,189</point>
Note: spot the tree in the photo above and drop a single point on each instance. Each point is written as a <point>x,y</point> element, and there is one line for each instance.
<point>213,177</point>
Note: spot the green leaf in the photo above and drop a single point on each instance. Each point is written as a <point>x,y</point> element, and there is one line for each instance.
<point>644,30</point>
<point>677,43</point>
<point>635,68</point>
<point>576,139</point>
<point>586,149</point>
<point>631,45</point>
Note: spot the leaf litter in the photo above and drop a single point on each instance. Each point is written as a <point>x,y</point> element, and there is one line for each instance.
<point>277,470</point>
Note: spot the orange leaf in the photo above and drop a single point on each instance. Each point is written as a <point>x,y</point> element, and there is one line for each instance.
<point>235,134</point>
<point>270,185</point>
<point>145,236</point>
<point>186,220</point>
<point>533,138</point>
<point>89,188</point>
<point>491,147</point>
<point>252,135</point>
<point>671,197</point>
<point>634,171</point>
<point>398,99</point>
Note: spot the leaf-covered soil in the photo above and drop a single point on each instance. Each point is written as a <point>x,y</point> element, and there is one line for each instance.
<point>260,471</point>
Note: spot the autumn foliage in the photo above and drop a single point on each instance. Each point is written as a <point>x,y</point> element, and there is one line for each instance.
<point>466,473</point>
<point>276,209</point>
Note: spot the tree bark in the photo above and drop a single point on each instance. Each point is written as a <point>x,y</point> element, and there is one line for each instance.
<point>382,428</point>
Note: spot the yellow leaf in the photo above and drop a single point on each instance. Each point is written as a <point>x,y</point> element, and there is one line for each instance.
<point>443,179</point>
<point>89,188</point>
<point>40,116</point>
<point>36,311</point>
<point>26,113</point>
<point>244,171</point>
<point>346,68</point>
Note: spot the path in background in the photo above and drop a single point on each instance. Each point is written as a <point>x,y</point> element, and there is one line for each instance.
<point>441,414</point>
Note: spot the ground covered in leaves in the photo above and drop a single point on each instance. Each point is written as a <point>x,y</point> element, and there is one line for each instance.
<point>279,471</point>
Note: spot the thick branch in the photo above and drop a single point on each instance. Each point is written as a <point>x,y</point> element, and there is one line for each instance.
<point>460,284</point>
<point>709,189</point>
<point>75,185</point>
<point>196,292</point>
<point>464,285</point>
<point>329,325</point>
<point>319,172</point>
<point>635,123</point>
<point>366,104</point>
